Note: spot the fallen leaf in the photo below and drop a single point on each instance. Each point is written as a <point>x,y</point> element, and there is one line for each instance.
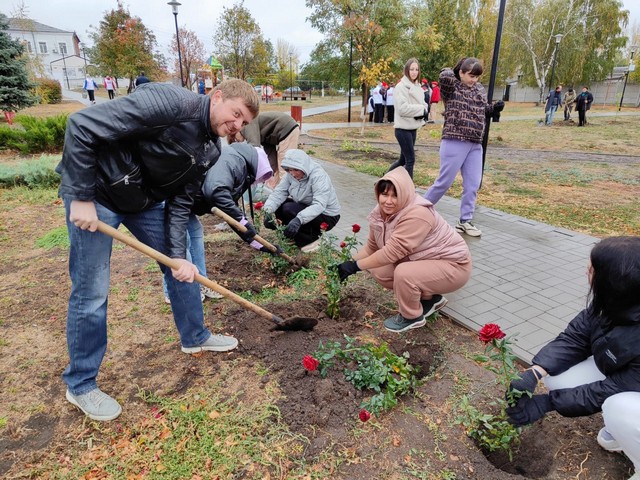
<point>213,415</point>
<point>396,441</point>
<point>454,458</point>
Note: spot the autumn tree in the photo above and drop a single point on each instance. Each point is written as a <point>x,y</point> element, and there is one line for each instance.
<point>592,35</point>
<point>192,55</point>
<point>124,46</point>
<point>14,82</point>
<point>374,26</point>
<point>239,43</point>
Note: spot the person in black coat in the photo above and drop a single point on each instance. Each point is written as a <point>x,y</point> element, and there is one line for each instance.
<point>583,103</point>
<point>594,365</point>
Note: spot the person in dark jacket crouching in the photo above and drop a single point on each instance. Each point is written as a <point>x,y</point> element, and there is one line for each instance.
<point>139,160</point>
<point>594,365</point>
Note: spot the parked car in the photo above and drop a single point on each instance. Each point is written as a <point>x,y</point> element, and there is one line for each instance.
<point>295,92</point>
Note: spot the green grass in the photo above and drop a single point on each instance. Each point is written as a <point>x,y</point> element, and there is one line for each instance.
<point>58,237</point>
<point>26,196</point>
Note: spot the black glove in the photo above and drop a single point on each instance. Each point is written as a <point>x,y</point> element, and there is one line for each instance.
<point>249,234</point>
<point>269,221</point>
<point>527,382</point>
<point>421,117</point>
<point>292,228</point>
<point>529,410</point>
<point>346,269</point>
<point>498,106</point>
<point>275,254</point>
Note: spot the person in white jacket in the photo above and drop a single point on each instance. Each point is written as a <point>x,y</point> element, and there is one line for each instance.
<point>304,200</point>
<point>410,114</point>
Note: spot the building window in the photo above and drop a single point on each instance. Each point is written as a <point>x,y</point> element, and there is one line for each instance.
<point>63,48</point>
<point>27,46</point>
<point>43,47</point>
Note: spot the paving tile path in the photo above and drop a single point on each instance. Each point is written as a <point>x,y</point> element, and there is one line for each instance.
<point>528,277</point>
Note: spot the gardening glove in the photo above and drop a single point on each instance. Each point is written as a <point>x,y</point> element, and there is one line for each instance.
<point>277,253</point>
<point>526,383</point>
<point>269,221</point>
<point>249,234</point>
<point>346,269</point>
<point>421,117</point>
<point>529,410</point>
<point>293,228</point>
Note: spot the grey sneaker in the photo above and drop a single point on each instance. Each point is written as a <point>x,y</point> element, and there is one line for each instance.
<point>606,441</point>
<point>431,306</point>
<point>468,228</point>
<point>215,343</point>
<point>208,293</point>
<point>398,323</point>
<point>96,405</point>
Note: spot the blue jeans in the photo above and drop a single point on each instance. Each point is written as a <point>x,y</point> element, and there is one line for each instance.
<point>407,140</point>
<point>466,158</point>
<point>195,249</point>
<point>549,114</point>
<point>89,268</point>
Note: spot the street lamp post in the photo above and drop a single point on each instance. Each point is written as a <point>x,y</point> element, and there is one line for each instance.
<point>555,54</point>
<point>174,7</point>
<point>84,56</point>
<point>290,78</point>
<point>351,15</point>
<point>626,74</point>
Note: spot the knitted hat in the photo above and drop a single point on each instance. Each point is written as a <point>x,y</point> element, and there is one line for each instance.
<point>264,171</point>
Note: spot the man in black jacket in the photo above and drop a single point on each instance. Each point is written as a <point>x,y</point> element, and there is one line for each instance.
<point>138,161</point>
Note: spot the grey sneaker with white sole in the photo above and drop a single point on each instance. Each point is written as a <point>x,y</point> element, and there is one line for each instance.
<point>96,405</point>
<point>215,343</point>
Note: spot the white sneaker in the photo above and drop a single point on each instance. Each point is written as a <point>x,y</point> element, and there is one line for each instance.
<point>215,343</point>
<point>167,301</point>
<point>606,441</point>
<point>468,228</point>
<point>96,405</point>
<point>312,247</point>
<point>208,293</point>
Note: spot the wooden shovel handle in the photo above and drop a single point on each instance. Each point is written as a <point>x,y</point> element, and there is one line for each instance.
<point>175,264</point>
<point>238,226</point>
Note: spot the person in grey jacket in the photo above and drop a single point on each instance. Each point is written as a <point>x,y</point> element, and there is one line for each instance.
<point>138,160</point>
<point>305,201</point>
<point>594,365</point>
<point>276,133</point>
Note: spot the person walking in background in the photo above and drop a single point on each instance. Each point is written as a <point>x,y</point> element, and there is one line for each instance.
<point>378,109</point>
<point>583,104</point>
<point>138,161</point>
<point>142,78</point>
<point>554,100</point>
<point>567,101</point>
<point>410,114</point>
<point>594,365</point>
<point>90,87</point>
<point>465,112</point>
<point>410,250</point>
<point>303,201</point>
<point>426,87</point>
<point>110,86</point>
<point>435,98</point>
<point>276,133</point>
<point>370,107</point>
<point>390,103</point>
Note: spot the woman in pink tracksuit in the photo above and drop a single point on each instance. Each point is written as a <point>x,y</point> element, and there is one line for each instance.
<point>411,250</point>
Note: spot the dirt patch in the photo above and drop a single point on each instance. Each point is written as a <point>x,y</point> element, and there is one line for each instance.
<point>417,437</point>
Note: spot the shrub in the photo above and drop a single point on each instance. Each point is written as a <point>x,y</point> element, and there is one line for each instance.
<point>48,91</point>
<point>38,173</point>
<point>37,135</point>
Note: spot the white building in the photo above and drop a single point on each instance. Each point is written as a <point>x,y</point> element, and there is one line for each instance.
<point>58,51</point>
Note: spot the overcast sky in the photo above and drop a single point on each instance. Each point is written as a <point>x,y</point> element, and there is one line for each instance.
<point>277,18</point>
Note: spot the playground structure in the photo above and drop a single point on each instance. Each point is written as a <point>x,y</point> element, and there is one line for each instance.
<point>207,75</point>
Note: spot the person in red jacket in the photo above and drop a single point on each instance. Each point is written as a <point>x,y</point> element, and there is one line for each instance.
<point>435,98</point>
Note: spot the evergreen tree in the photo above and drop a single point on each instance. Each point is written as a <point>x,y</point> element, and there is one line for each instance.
<point>14,81</point>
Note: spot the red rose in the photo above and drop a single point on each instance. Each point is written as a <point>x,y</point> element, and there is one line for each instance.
<point>355,228</point>
<point>342,244</point>
<point>491,331</point>
<point>258,205</point>
<point>364,415</point>
<point>310,363</point>
<point>324,226</point>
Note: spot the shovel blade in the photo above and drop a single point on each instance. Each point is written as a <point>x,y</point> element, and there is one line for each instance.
<point>304,324</point>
